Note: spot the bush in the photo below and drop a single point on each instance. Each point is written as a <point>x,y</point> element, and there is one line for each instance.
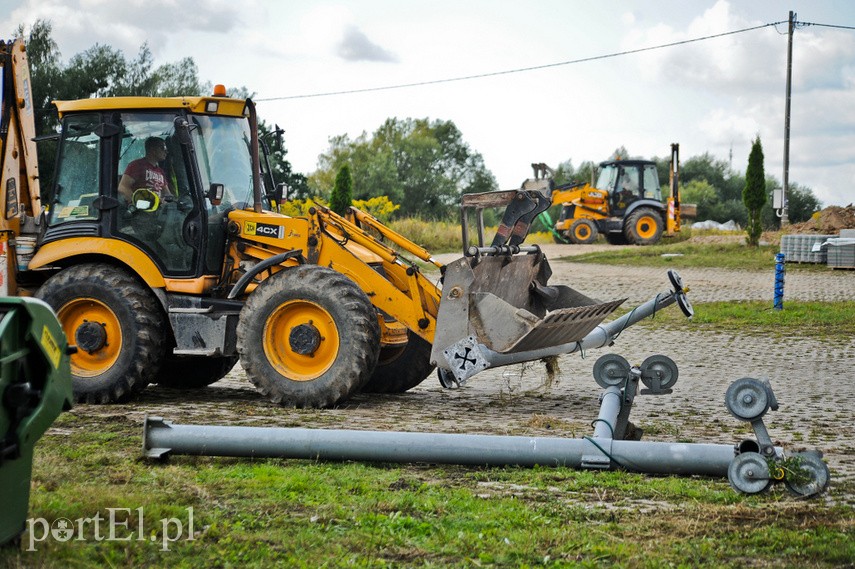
<point>380,207</point>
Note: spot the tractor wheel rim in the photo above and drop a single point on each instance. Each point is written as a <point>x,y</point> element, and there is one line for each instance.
<point>83,314</point>
<point>646,227</point>
<point>582,232</point>
<point>301,361</point>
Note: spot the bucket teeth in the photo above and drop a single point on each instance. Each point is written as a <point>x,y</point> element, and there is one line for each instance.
<point>564,326</point>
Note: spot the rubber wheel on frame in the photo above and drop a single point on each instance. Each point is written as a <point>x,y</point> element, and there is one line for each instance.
<point>643,227</point>
<point>117,325</point>
<point>583,232</point>
<point>400,369</point>
<point>180,372</point>
<point>308,337</point>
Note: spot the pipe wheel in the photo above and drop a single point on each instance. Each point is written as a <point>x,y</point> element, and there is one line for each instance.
<point>116,324</point>
<point>308,337</point>
<point>643,227</point>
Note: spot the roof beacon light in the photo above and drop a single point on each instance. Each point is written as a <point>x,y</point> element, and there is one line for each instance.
<point>219,90</point>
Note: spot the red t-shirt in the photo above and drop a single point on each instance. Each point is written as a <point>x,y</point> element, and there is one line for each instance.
<point>148,175</point>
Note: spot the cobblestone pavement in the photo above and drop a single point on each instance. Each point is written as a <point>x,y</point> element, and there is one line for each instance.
<point>813,380</point>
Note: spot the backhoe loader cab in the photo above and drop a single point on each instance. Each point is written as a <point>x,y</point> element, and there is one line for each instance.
<point>628,181</point>
<point>161,250</point>
<point>624,204</point>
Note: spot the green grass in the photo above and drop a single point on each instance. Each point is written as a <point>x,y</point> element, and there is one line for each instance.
<point>294,513</point>
<point>805,319</point>
<point>687,254</point>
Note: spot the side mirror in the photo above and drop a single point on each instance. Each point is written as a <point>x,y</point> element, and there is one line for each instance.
<point>281,192</point>
<point>215,193</point>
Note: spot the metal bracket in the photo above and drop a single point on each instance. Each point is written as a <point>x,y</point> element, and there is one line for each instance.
<point>466,359</point>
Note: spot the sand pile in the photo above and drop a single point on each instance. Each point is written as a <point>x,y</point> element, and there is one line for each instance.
<point>830,220</point>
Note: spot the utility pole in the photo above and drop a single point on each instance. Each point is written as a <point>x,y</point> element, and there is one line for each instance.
<point>785,219</point>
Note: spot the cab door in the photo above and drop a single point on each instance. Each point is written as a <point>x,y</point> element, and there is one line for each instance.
<point>165,224</point>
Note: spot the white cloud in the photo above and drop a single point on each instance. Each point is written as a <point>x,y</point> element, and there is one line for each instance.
<point>355,46</point>
<point>714,95</point>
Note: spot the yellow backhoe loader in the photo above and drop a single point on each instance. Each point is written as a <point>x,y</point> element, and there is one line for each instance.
<point>170,271</point>
<point>624,204</point>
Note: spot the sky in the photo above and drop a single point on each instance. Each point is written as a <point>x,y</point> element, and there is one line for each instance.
<point>711,96</point>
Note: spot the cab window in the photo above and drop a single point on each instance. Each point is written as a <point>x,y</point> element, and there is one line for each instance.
<point>78,178</point>
<point>651,183</point>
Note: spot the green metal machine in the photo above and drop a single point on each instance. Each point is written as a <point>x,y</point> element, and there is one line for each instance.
<point>35,387</point>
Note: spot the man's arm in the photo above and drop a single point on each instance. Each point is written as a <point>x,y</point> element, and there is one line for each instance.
<point>126,188</point>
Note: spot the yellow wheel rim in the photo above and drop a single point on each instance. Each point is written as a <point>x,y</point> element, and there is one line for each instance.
<point>311,359</point>
<point>582,231</point>
<point>646,226</point>
<point>81,313</point>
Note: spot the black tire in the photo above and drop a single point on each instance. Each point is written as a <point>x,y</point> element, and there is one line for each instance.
<point>643,227</point>
<point>615,238</point>
<point>583,232</point>
<point>308,337</point>
<point>194,372</point>
<point>118,327</point>
<point>401,369</point>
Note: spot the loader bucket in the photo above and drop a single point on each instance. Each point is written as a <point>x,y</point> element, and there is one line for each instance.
<point>503,303</point>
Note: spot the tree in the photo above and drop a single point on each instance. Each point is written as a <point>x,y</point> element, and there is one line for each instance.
<point>801,204</point>
<point>754,193</point>
<point>422,165</point>
<point>342,194</point>
<point>103,71</point>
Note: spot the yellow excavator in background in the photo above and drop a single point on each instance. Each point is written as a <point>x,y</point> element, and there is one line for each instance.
<point>172,282</point>
<point>624,204</point>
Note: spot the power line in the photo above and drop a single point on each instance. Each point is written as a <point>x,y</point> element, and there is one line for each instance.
<point>827,26</point>
<point>519,70</point>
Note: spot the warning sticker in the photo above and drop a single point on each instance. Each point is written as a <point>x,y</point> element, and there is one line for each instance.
<point>74,211</point>
<point>51,347</point>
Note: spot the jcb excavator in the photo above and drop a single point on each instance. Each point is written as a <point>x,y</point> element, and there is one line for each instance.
<point>173,284</point>
<point>625,203</point>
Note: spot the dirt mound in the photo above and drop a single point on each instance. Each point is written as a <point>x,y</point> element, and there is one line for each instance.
<point>830,221</point>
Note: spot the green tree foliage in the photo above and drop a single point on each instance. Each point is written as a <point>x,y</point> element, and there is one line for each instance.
<point>342,194</point>
<point>422,165</point>
<point>566,173</point>
<point>801,204</point>
<point>103,71</point>
<point>754,193</point>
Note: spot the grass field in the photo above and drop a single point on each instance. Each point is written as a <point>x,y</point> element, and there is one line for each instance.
<point>288,513</point>
<point>297,513</point>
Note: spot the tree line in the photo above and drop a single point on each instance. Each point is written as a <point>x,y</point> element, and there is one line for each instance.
<point>421,165</point>
<point>104,71</point>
